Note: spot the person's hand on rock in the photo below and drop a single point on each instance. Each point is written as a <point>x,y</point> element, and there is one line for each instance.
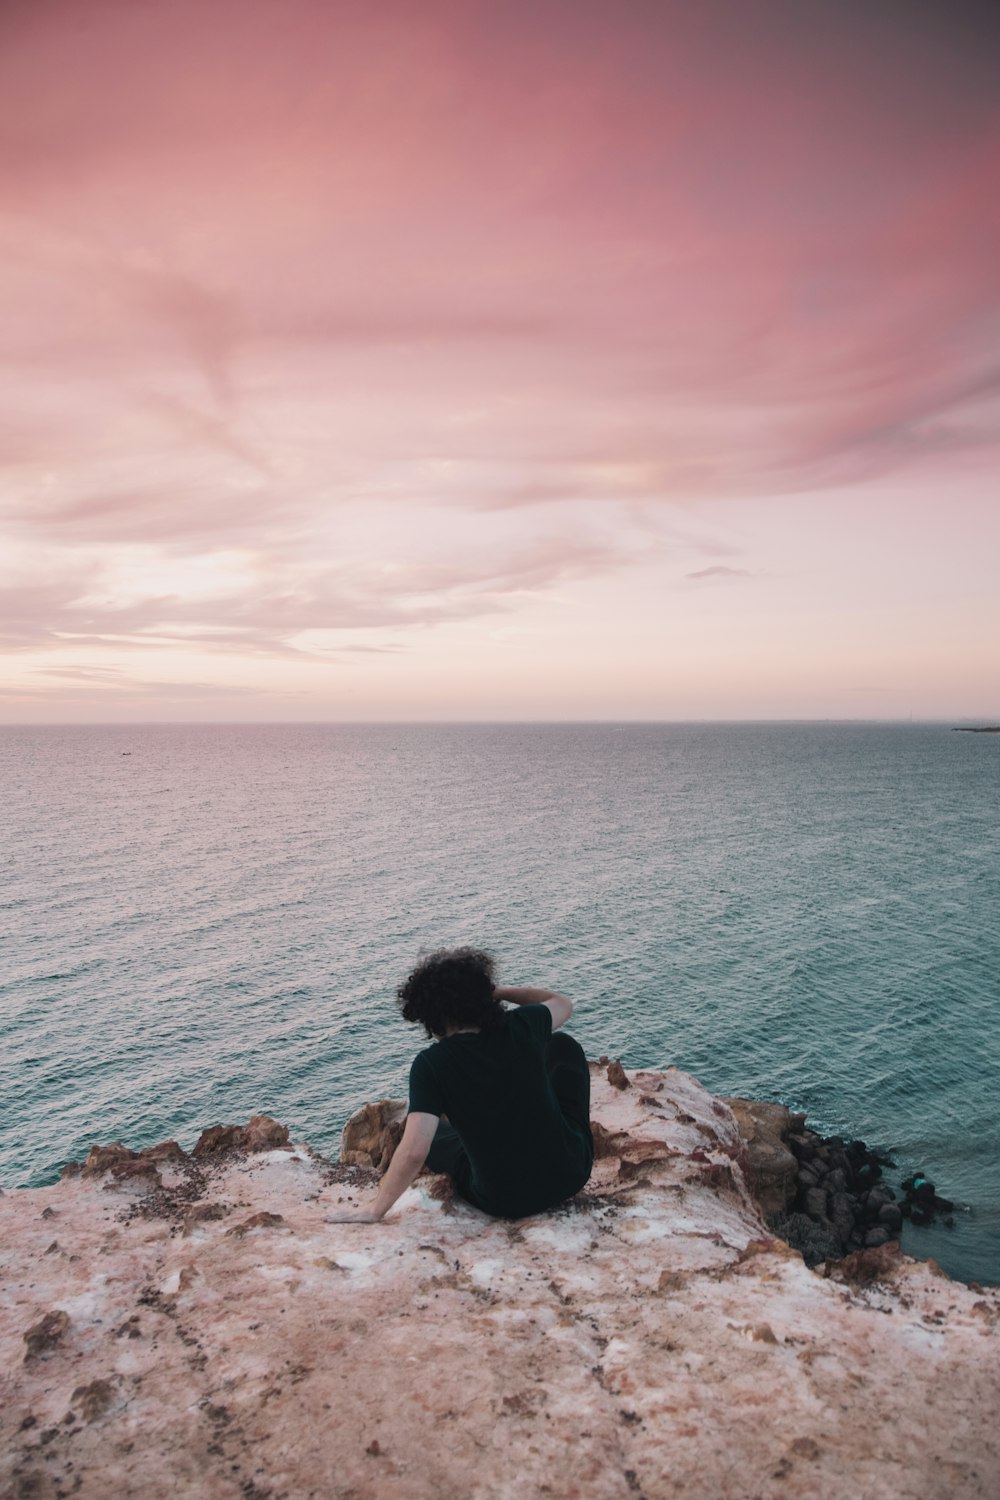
<point>352,1216</point>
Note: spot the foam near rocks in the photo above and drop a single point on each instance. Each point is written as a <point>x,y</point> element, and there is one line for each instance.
<point>212,1336</point>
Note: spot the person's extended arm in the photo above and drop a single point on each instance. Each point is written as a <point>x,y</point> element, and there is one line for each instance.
<point>561,1006</point>
<point>407,1159</point>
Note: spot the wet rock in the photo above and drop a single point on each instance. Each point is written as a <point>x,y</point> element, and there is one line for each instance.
<point>815,1203</point>
<point>921,1202</point>
<point>42,1337</point>
<point>890,1217</point>
<point>877,1236</point>
<point>849,1177</point>
<point>815,1242</point>
<point>841,1216</point>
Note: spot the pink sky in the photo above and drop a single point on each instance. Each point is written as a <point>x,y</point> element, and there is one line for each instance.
<point>466,360</point>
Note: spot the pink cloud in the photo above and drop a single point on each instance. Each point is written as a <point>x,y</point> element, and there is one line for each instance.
<point>272,269</point>
<point>718,571</point>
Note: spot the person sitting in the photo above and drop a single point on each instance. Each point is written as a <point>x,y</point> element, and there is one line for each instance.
<point>497,1101</point>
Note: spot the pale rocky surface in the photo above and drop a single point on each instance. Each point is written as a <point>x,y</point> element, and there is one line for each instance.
<point>189,1326</point>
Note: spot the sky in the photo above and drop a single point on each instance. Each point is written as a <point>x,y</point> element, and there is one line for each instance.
<point>572,359</point>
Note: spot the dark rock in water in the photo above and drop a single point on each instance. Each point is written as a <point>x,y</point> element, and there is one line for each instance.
<point>815,1203</point>
<point>815,1242</point>
<point>844,1165</point>
<point>838,1190</point>
<point>922,1203</point>
<point>841,1216</point>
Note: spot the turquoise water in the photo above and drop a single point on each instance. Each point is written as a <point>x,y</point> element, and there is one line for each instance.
<point>199,922</point>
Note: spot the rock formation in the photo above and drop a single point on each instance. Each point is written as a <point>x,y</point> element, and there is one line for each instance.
<point>187,1325</point>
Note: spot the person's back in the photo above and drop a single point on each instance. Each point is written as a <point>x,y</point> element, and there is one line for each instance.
<point>497,1101</point>
<point>524,1149</point>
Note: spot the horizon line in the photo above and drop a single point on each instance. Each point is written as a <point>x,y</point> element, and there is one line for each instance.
<point>963,719</point>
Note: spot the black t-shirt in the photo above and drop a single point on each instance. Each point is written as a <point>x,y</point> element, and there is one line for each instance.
<point>524,1155</point>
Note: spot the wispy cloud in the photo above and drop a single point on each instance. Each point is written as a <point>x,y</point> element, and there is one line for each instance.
<point>264,609</point>
<point>336,333</point>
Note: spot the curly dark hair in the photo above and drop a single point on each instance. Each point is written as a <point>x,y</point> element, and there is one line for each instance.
<point>451,988</point>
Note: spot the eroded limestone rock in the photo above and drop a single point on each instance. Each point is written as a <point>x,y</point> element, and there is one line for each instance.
<point>650,1337</point>
<point>772,1167</point>
<point>372,1134</point>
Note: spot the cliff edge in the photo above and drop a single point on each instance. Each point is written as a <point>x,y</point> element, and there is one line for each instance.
<point>185,1324</point>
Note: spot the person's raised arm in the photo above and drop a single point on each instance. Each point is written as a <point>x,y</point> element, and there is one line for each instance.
<point>561,1006</point>
<point>407,1159</point>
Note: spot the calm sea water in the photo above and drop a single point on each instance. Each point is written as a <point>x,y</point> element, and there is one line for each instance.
<point>198,922</point>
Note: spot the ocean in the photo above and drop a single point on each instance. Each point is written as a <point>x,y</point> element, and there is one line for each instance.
<point>198,922</point>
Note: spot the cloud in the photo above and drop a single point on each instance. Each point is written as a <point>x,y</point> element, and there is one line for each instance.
<point>723,299</point>
<point>97,691</point>
<point>414,346</point>
<point>264,609</point>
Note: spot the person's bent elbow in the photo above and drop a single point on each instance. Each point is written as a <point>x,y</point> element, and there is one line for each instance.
<point>561,1008</point>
